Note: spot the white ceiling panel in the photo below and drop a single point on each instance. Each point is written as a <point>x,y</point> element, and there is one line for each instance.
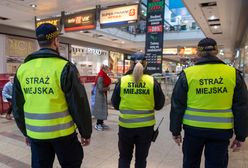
<point>211,12</point>
<point>231,14</point>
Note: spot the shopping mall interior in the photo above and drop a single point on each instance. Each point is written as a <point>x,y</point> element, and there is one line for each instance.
<point>96,32</point>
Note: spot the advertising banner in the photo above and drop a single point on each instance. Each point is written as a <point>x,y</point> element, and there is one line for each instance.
<point>56,21</point>
<point>118,16</point>
<point>84,20</point>
<point>154,35</point>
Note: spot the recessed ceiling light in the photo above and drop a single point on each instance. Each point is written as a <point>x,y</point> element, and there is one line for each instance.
<point>33,5</point>
<point>215,27</point>
<point>38,19</point>
<point>212,17</point>
<point>122,42</point>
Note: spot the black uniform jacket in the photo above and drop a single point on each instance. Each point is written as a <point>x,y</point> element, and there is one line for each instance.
<point>74,91</point>
<point>158,95</point>
<point>239,107</point>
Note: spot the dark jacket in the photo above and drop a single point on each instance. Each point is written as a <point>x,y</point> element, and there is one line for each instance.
<point>239,107</point>
<point>74,91</point>
<point>158,95</point>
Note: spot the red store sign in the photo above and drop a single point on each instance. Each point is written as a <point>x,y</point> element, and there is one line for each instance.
<point>84,20</point>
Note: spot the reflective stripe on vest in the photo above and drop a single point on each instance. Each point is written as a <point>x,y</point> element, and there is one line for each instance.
<point>42,118</point>
<point>46,116</point>
<point>136,111</point>
<point>50,128</point>
<point>210,95</point>
<point>137,102</point>
<point>137,120</point>
<point>46,110</point>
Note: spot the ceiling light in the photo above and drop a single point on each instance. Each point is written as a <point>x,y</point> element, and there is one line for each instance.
<point>33,5</point>
<point>38,19</point>
<point>212,17</point>
<point>122,42</point>
<point>246,47</point>
<point>215,27</point>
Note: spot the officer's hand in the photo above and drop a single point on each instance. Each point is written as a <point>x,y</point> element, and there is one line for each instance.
<point>236,145</point>
<point>178,139</point>
<point>85,142</point>
<point>27,141</point>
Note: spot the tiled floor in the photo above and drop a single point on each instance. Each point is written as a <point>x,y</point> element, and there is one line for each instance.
<point>103,151</point>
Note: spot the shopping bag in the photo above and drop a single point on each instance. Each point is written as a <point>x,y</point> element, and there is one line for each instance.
<point>93,96</point>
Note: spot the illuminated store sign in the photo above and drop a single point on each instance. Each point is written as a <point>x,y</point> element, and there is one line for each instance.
<point>119,15</point>
<point>80,21</point>
<point>156,5</point>
<point>55,21</point>
<point>190,51</point>
<point>170,51</point>
<point>20,47</point>
<point>187,51</point>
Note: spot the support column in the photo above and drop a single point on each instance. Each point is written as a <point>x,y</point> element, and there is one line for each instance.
<point>2,54</point>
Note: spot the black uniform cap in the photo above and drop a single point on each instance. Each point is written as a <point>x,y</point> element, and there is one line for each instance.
<point>207,44</point>
<point>46,32</point>
<point>138,56</point>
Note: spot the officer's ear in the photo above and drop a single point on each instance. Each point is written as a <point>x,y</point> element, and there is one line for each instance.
<point>55,43</point>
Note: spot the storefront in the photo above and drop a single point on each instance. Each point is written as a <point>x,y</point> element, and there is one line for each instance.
<point>244,54</point>
<point>117,63</point>
<point>88,60</point>
<point>16,50</point>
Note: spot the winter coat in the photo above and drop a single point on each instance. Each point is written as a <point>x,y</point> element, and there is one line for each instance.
<point>100,110</point>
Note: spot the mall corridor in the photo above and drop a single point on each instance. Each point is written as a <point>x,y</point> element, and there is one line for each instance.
<point>50,48</point>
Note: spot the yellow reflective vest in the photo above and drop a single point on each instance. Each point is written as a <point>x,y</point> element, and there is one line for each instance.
<point>210,96</point>
<point>137,102</point>
<point>45,108</point>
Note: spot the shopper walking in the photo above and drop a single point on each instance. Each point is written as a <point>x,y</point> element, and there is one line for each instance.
<point>7,95</point>
<point>136,95</point>
<point>100,110</point>
<point>49,102</point>
<point>210,101</point>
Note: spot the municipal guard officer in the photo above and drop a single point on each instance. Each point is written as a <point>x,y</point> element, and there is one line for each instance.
<point>49,102</point>
<point>136,96</point>
<point>210,101</point>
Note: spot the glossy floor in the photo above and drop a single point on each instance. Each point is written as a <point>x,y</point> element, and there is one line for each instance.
<point>103,151</point>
